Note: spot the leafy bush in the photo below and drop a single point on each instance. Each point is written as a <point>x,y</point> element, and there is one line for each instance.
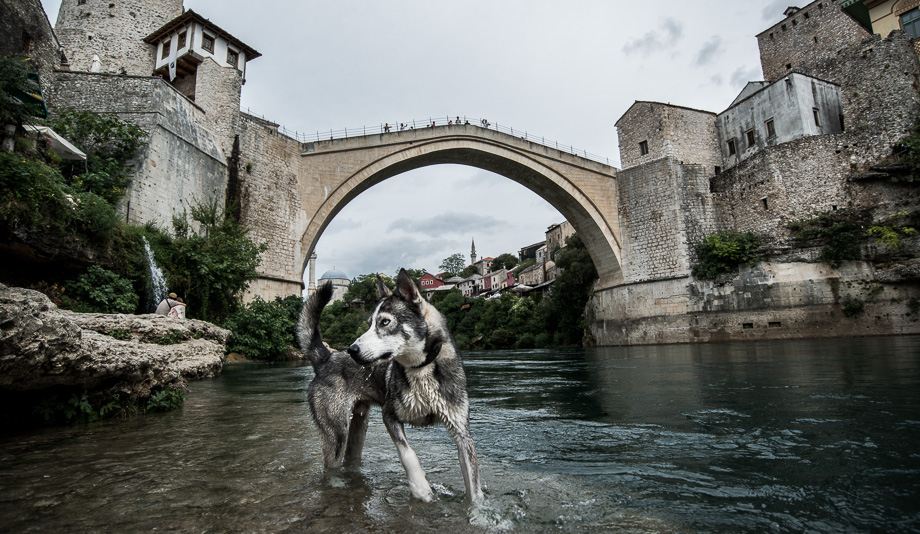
<point>264,330</point>
<point>14,80</point>
<point>165,400</point>
<point>724,252</point>
<point>840,232</point>
<point>110,145</point>
<point>852,306</point>
<point>890,233</point>
<point>211,267</point>
<point>100,291</point>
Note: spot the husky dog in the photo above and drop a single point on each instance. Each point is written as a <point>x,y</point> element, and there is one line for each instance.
<point>407,363</point>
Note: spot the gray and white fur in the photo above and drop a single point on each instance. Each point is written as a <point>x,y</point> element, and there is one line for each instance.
<point>407,363</point>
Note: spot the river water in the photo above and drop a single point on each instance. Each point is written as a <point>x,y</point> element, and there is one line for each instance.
<point>781,436</point>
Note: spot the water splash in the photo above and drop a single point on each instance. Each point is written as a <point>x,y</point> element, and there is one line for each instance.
<point>158,289</point>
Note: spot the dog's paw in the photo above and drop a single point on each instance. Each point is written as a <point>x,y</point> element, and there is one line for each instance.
<point>422,493</point>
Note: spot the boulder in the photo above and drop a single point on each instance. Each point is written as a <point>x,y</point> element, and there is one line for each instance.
<point>42,347</point>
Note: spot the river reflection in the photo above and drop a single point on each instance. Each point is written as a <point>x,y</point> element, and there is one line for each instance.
<point>781,436</point>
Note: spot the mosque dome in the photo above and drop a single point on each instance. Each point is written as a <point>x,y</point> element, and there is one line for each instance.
<point>334,274</point>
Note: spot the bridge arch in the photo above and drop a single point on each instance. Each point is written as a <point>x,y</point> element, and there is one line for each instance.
<point>584,192</point>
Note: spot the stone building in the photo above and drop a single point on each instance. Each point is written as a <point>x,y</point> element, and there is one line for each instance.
<point>775,113</point>
<point>340,283</point>
<point>555,237</point>
<point>808,36</point>
<point>882,17</point>
<point>651,130</point>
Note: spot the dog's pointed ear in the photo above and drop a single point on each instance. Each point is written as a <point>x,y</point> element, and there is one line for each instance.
<point>405,287</point>
<point>382,289</point>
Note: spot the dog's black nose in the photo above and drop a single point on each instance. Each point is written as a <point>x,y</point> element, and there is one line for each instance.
<point>354,350</point>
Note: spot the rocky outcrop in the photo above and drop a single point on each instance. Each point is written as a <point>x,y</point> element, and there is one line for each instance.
<point>43,347</point>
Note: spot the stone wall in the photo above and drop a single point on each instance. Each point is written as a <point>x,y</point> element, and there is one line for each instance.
<point>768,301</point>
<point>183,163</point>
<point>217,91</point>
<point>664,208</point>
<point>271,204</point>
<point>113,30</point>
<point>790,105</point>
<point>26,31</point>
<point>795,180</point>
<point>688,135</point>
<point>809,36</point>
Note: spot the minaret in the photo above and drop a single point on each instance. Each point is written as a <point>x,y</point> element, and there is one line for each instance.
<point>473,254</point>
<point>312,277</point>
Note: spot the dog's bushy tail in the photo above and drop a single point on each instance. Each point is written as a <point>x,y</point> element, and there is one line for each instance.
<point>308,334</point>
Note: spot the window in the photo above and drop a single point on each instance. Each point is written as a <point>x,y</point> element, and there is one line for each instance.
<point>764,202</point>
<point>232,57</point>
<point>783,27</point>
<point>81,2</point>
<point>731,147</point>
<point>183,40</point>
<point>910,22</point>
<point>165,53</point>
<point>207,43</point>
<point>771,36</point>
<point>771,128</point>
<point>26,43</point>
<point>749,135</point>
<point>814,112</point>
<point>806,15</point>
<point>788,66</point>
<point>842,128</point>
<point>718,170</point>
<point>795,22</point>
<point>643,148</point>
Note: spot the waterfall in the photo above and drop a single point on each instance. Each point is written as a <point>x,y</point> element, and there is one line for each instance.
<point>158,288</point>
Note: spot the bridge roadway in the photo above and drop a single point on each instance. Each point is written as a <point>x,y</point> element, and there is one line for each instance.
<point>333,172</point>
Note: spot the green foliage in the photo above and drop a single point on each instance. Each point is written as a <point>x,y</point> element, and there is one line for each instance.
<point>14,80</point>
<point>852,306</point>
<point>212,267</point>
<point>110,145</point>
<point>264,330</point>
<point>119,333</point>
<point>504,261</point>
<point>565,310</point>
<point>100,291</point>
<point>165,400</point>
<point>341,325</point>
<point>33,192</point>
<point>840,232</point>
<point>453,265</point>
<point>724,252</point>
<point>890,234</point>
<point>173,337</point>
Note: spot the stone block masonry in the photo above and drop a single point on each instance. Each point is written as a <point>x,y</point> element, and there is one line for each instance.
<point>271,198</point>
<point>664,208</point>
<point>662,130</point>
<point>114,30</point>
<point>183,163</point>
<point>806,37</point>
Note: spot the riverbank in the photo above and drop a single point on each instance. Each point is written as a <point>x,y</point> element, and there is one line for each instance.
<point>46,352</point>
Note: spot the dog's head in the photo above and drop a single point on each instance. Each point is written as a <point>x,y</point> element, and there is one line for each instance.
<point>398,329</point>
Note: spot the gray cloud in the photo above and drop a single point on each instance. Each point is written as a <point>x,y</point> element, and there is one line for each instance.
<point>742,75</point>
<point>663,38</point>
<point>774,10</point>
<point>710,51</point>
<point>450,222</point>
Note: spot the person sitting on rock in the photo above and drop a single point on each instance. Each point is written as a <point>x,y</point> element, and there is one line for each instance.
<point>171,306</point>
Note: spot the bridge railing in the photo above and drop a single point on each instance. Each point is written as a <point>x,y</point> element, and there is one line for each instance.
<point>323,135</point>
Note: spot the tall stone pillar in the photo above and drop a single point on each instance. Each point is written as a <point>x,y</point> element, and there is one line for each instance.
<point>312,276</point>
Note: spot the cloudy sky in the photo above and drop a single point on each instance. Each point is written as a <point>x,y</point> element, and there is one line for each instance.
<point>565,71</point>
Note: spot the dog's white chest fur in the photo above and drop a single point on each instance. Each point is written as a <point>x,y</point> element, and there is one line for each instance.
<point>422,398</point>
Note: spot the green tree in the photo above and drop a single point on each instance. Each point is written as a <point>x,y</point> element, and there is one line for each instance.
<point>212,267</point>
<point>110,145</point>
<point>724,252</point>
<point>841,234</point>
<point>504,261</point>
<point>573,287</point>
<point>453,265</point>
<point>264,330</point>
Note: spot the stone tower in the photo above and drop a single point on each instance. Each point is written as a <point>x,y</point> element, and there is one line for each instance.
<point>473,254</point>
<point>113,30</point>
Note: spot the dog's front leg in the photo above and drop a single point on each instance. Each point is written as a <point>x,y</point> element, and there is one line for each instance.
<point>469,465</point>
<point>418,483</point>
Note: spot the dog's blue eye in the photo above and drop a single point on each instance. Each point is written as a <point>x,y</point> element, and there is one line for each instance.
<point>384,322</point>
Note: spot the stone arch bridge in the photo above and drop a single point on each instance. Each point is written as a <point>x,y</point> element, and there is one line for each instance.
<point>309,191</point>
